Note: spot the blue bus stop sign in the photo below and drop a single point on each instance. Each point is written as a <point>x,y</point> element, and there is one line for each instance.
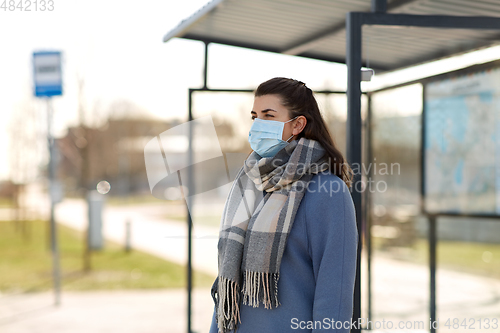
<point>47,74</point>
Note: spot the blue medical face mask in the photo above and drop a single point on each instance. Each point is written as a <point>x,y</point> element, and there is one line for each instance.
<point>265,136</point>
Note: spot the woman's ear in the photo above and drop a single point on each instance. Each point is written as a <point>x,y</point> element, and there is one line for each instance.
<point>298,125</point>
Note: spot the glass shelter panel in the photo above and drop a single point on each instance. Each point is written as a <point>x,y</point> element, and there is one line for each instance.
<point>399,259</point>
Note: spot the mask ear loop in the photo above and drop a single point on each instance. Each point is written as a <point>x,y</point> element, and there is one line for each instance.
<point>288,122</point>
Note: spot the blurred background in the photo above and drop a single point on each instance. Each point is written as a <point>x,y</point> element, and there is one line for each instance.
<point>122,247</point>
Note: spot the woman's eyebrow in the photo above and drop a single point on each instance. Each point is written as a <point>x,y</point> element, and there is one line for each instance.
<point>265,110</point>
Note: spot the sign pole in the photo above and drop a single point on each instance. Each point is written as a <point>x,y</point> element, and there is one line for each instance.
<point>47,79</point>
<point>56,272</point>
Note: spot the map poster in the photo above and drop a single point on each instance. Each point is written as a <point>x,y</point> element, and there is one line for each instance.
<point>462,144</point>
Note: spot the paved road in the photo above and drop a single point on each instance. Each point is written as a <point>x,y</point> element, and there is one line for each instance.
<point>150,232</point>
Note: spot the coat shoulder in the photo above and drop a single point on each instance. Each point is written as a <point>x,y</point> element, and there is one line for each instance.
<point>326,184</point>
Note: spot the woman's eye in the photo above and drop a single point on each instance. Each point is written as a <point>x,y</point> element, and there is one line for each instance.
<point>267,116</point>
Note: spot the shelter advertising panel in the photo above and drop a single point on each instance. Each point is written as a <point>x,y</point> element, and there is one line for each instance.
<point>462,144</point>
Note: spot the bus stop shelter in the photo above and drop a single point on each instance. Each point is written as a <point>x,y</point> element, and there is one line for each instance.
<point>359,33</point>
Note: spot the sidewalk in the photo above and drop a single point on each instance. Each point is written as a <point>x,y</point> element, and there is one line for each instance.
<point>137,311</point>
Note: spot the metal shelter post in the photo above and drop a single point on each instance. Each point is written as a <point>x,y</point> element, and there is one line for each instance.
<point>189,218</point>
<point>432,236</point>
<point>190,186</point>
<point>432,271</point>
<point>205,67</point>
<point>379,6</point>
<point>353,140</point>
<point>368,205</point>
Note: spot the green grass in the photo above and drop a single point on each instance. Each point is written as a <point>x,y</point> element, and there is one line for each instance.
<point>468,257</point>
<point>459,256</point>
<point>6,203</point>
<point>26,264</point>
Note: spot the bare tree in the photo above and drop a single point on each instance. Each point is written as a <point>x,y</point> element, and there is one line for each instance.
<point>27,145</point>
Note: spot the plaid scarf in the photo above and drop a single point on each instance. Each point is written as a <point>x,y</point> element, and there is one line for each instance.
<point>256,221</point>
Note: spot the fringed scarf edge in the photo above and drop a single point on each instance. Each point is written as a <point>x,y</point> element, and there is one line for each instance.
<point>257,288</point>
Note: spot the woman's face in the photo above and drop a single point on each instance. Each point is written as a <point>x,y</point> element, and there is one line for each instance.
<point>269,107</point>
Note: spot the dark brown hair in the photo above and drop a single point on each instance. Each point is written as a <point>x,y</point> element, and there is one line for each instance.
<point>299,99</point>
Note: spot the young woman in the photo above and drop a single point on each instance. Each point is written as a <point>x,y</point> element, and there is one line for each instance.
<point>288,238</point>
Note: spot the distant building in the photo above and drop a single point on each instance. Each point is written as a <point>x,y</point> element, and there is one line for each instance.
<point>115,153</point>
